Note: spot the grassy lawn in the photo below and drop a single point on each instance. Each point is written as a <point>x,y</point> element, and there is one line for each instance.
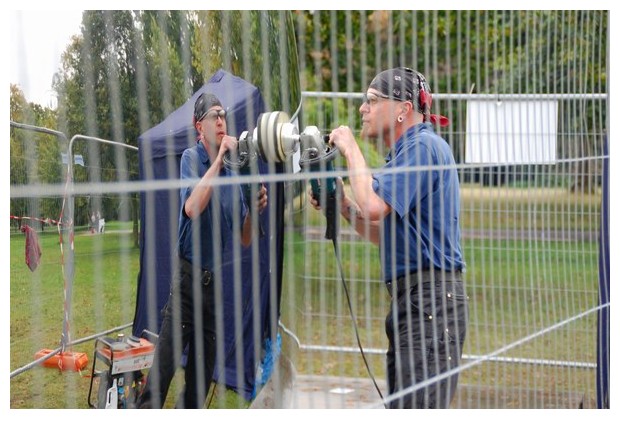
<point>508,302</point>
<point>517,287</point>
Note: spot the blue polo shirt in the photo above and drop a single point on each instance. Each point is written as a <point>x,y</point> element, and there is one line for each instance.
<point>216,222</point>
<point>420,182</point>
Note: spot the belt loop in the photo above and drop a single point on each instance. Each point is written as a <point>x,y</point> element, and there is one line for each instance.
<point>187,267</point>
<point>388,285</point>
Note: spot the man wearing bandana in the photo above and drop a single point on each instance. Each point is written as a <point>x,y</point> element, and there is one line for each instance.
<point>410,209</point>
<point>206,217</point>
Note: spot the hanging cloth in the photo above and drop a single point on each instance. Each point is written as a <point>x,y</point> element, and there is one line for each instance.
<point>33,249</point>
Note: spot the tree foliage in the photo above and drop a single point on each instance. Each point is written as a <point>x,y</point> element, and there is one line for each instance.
<point>35,158</point>
<point>127,70</point>
<point>258,46</point>
<point>490,52</point>
<point>107,91</point>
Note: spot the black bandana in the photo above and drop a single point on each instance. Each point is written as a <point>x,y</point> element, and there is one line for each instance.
<point>203,103</point>
<point>405,84</point>
<point>402,84</point>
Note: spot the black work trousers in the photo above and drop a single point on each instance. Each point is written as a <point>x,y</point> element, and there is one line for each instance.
<point>426,329</point>
<point>188,322</point>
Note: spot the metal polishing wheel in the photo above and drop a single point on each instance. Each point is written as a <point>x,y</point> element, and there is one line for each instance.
<point>276,136</point>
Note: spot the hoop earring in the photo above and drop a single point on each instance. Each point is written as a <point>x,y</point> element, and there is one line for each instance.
<point>399,119</point>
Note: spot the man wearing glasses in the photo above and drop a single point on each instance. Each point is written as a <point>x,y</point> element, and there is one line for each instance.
<point>410,209</point>
<point>207,216</point>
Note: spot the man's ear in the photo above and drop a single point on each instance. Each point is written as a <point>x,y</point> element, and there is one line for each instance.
<point>407,107</point>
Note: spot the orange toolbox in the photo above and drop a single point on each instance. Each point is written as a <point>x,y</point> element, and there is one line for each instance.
<point>73,361</point>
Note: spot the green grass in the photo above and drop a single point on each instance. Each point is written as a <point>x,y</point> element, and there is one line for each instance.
<point>516,287</point>
<point>517,296</point>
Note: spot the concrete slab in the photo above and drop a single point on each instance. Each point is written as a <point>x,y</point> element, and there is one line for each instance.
<point>311,391</point>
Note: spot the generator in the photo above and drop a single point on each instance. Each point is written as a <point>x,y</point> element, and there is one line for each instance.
<point>118,369</point>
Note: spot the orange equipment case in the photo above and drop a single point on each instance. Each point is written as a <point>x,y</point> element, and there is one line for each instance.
<point>122,358</point>
<point>74,361</point>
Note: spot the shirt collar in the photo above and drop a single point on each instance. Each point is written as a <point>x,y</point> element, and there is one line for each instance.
<point>202,153</point>
<point>411,131</point>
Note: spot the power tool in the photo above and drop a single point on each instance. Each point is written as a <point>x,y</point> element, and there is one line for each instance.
<point>276,139</point>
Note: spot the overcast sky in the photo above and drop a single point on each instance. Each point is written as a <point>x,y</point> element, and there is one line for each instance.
<point>37,38</point>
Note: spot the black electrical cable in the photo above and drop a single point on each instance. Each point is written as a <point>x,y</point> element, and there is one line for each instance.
<point>357,336</point>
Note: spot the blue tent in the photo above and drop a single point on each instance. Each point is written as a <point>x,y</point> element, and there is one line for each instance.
<point>160,149</point>
<point>602,356</point>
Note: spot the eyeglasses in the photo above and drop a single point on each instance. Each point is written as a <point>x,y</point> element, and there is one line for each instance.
<point>373,98</point>
<point>214,114</point>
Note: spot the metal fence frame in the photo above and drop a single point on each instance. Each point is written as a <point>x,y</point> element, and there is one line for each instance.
<point>474,359</point>
<point>67,234</point>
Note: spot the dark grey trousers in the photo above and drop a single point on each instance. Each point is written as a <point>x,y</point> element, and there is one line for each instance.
<point>188,324</point>
<point>426,329</point>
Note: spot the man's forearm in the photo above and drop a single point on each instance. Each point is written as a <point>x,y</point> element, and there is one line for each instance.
<point>370,204</point>
<point>365,228</point>
<point>246,231</point>
<point>202,192</point>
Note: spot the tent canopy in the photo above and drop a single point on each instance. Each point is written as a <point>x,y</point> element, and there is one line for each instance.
<point>242,101</point>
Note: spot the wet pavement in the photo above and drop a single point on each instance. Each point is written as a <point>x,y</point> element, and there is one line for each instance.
<point>336,392</point>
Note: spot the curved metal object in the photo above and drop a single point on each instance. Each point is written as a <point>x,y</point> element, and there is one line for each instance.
<point>275,134</point>
<point>241,158</point>
<point>315,148</point>
<point>276,139</point>
<point>273,141</point>
<point>312,156</point>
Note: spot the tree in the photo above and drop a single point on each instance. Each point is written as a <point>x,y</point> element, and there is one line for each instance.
<point>129,70</point>
<point>492,52</point>
<point>35,157</point>
<point>257,46</point>
<point>126,72</point>
<point>18,174</point>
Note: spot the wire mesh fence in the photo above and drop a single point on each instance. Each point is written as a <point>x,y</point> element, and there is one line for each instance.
<point>299,313</point>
